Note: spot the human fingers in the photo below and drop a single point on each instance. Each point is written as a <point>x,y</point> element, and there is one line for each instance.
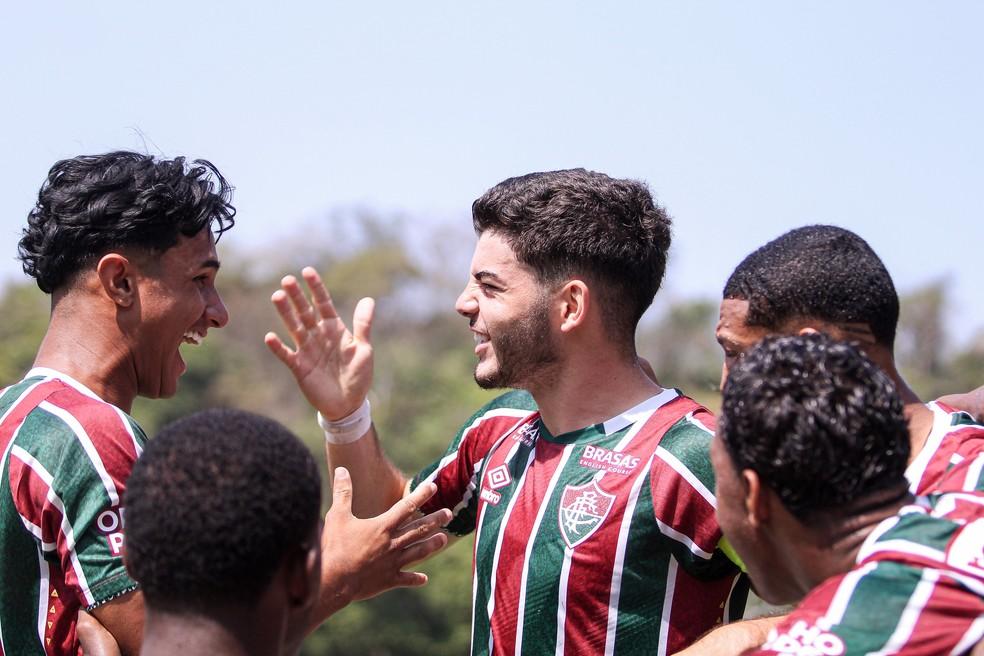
<point>279,349</point>
<point>423,528</point>
<point>409,580</point>
<point>322,297</point>
<point>287,315</point>
<point>407,507</point>
<point>421,550</point>
<point>362,319</point>
<point>341,491</point>
<point>300,303</point>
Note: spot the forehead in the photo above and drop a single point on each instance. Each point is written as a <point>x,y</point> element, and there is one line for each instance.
<point>192,252</point>
<point>732,323</point>
<point>494,255</point>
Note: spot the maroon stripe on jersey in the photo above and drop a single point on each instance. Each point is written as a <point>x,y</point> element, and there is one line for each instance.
<point>509,573</point>
<point>593,568</point>
<point>16,413</point>
<point>947,615</point>
<point>30,496</point>
<point>965,442</point>
<point>703,608</point>
<point>456,474</point>
<point>677,504</point>
<point>101,422</point>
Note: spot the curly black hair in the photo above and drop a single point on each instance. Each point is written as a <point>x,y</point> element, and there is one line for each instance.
<point>817,272</point>
<point>819,422</point>
<point>213,505</point>
<point>92,204</point>
<point>578,222</point>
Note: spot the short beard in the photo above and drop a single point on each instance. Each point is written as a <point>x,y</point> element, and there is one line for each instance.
<point>522,352</point>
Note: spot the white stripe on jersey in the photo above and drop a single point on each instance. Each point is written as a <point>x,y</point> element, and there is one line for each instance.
<point>129,430</point>
<point>90,448</point>
<point>498,544</point>
<point>974,635</point>
<point>623,539</point>
<point>664,621</point>
<point>23,395</point>
<point>65,378</point>
<point>565,574</point>
<point>44,579</point>
<point>451,457</point>
<point>903,546</point>
<point>36,531</point>
<point>640,412</point>
<point>841,599</point>
<point>674,534</point>
<point>66,525</point>
<point>688,475</point>
<point>521,609</point>
<point>910,616</point>
<point>941,426</point>
<point>696,422</point>
<point>974,471</point>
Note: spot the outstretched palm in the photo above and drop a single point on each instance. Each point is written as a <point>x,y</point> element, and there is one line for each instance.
<point>332,365</point>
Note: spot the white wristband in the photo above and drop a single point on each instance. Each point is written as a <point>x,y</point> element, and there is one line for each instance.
<point>347,429</point>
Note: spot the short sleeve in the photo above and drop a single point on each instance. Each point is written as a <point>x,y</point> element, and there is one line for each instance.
<point>457,472</point>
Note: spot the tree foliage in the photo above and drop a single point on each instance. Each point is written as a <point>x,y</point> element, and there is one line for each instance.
<point>423,387</point>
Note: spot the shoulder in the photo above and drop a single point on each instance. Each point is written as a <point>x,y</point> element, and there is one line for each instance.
<point>688,438</point>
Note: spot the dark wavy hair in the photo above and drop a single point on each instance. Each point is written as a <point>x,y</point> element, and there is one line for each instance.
<point>817,272</point>
<point>819,422</point>
<point>578,222</point>
<point>214,504</point>
<point>92,204</point>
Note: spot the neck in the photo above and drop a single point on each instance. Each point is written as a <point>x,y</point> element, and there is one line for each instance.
<point>590,389</point>
<point>835,538</point>
<point>223,633</point>
<point>90,350</point>
<point>917,415</point>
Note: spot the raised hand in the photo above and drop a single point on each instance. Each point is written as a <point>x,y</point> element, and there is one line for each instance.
<point>333,366</point>
<point>361,558</point>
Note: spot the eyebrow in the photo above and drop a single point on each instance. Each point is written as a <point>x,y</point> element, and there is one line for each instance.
<point>486,275</point>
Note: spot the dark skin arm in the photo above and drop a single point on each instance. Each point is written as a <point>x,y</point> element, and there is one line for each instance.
<point>971,402</point>
<point>122,619</point>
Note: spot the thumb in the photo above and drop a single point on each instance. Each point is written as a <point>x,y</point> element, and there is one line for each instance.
<point>362,319</point>
<point>341,491</point>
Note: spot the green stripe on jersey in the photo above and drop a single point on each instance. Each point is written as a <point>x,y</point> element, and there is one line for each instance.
<point>876,606</point>
<point>690,443</point>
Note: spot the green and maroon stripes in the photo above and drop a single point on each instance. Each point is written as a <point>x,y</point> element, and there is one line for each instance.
<point>66,458</point>
<point>572,554</point>
<point>954,437</point>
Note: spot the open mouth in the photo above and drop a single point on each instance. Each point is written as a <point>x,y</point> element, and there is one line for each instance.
<point>193,337</point>
<point>480,339</point>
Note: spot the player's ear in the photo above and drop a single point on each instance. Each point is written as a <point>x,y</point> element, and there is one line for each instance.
<point>574,302</point>
<point>117,276</point>
<point>757,498</point>
<point>303,574</point>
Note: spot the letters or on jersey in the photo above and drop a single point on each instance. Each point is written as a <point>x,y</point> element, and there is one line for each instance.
<point>66,457</point>
<point>598,541</point>
<point>954,438</point>
<point>917,589</point>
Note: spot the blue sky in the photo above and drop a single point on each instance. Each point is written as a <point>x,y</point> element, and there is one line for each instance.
<point>746,119</point>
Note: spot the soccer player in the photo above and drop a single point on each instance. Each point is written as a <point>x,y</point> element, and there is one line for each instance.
<point>828,279</point>
<point>593,515</point>
<point>125,245</point>
<point>227,564</point>
<point>810,459</point>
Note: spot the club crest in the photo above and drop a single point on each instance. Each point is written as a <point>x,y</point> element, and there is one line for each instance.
<point>582,510</point>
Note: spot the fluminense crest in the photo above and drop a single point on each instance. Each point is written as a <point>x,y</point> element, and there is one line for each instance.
<point>582,510</point>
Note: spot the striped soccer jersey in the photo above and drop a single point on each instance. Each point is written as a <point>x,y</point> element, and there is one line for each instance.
<point>954,437</point>
<point>917,589</point>
<point>66,457</point>
<point>599,541</point>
